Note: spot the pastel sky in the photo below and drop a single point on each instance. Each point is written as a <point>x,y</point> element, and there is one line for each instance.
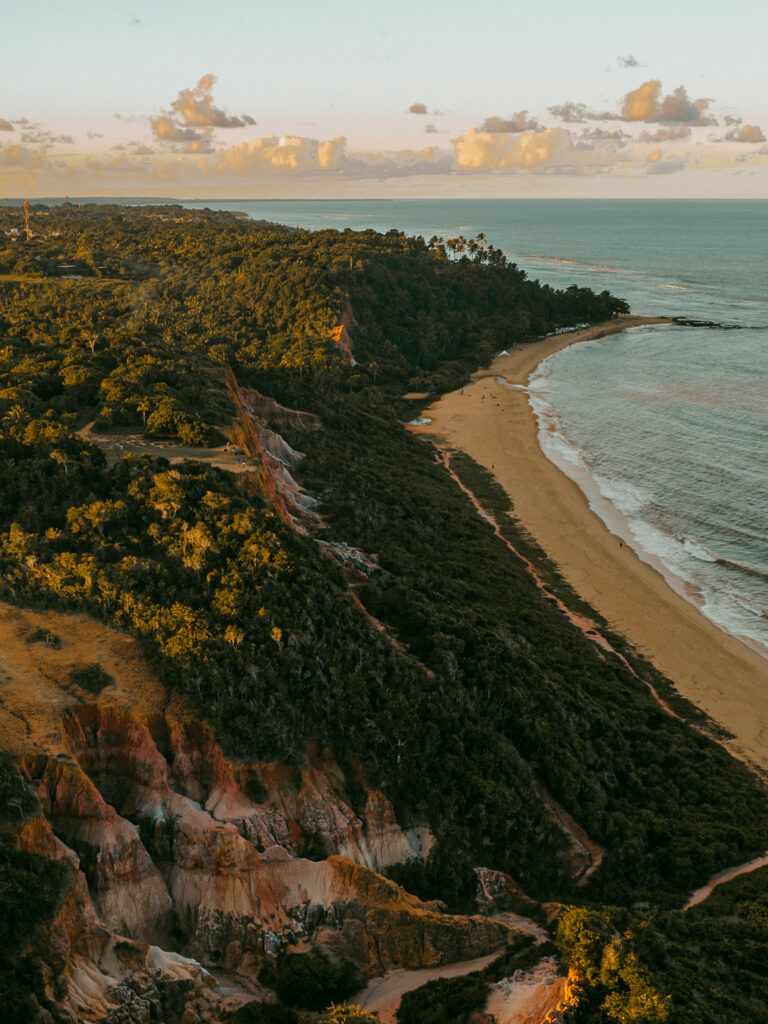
<point>401,97</point>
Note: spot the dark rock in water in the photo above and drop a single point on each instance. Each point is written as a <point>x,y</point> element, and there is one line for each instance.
<point>685,322</point>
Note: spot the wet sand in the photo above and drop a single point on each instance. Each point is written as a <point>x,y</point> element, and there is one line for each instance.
<point>496,426</point>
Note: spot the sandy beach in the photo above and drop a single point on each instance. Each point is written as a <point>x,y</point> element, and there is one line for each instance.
<point>496,426</point>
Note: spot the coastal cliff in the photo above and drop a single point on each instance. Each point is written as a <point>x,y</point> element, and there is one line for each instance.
<point>177,875</point>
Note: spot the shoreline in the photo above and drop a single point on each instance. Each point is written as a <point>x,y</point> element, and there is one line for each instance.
<point>711,667</point>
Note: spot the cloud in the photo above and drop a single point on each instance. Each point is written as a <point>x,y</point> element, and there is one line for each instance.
<point>597,134</point>
<point>675,131</point>
<point>5,126</point>
<point>628,62</point>
<point>184,140</point>
<point>572,113</point>
<point>36,135</point>
<point>577,113</point>
<point>519,122</point>
<point>746,133</point>
<point>195,107</point>
<point>417,108</point>
<point>297,154</point>
<point>283,153</point>
<point>189,123</point>
<point>644,104</point>
<point>553,150</point>
<point>16,157</point>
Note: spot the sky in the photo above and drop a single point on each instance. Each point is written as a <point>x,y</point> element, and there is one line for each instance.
<point>344,99</point>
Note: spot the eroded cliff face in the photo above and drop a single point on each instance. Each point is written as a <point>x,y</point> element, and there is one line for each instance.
<point>180,858</point>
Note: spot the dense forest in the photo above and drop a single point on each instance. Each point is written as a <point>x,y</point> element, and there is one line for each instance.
<point>131,319</point>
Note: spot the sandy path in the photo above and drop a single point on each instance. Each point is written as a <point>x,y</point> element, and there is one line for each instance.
<point>495,425</point>
<point>384,994</point>
<point>725,876</point>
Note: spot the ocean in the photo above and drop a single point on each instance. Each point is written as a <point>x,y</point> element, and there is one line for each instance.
<point>665,428</point>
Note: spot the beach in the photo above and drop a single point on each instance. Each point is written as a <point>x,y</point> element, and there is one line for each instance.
<point>495,425</point>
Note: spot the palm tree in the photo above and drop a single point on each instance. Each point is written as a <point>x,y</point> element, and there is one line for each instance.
<point>143,407</point>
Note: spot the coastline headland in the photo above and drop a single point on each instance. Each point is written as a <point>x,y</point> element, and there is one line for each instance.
<point>494,423</point>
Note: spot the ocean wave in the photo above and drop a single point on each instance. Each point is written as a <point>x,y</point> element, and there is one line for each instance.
<point>745,570</point>
<point>627,497</point>
<point>699,551</point>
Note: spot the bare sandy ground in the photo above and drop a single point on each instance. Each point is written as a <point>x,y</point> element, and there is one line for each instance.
<point>496,426</point>
<point>118,443</point>
<point>35,684</point>
<point>527,999</point>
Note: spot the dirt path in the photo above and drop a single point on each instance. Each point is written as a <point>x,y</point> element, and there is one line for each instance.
<point>118,443</point>
<point>725,876</point>
<point>383,994</point>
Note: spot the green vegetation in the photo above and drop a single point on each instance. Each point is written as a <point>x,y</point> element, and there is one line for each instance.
<point>491,697</point>
<point>444,1001</point>
<point>263,1013</point>
<point>310,981</point>
<point>347,1015</point>
<point>705,965</point>
<point>92,678</point>
<point>454,1000</point>
<point>44,636</point>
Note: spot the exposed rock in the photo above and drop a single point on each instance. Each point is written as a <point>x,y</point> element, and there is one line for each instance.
<point>126,888</point>
<point>164,842</point>
<point>498,892</point>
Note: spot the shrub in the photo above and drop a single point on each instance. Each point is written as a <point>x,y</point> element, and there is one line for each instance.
<point>312,982</point>
<point>92,678</point>
<point>263,1013</point>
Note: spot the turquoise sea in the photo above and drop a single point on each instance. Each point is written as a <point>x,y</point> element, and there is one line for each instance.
<point>665,428</point>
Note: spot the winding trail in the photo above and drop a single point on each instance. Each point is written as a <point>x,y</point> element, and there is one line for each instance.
<point>725,876</point>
